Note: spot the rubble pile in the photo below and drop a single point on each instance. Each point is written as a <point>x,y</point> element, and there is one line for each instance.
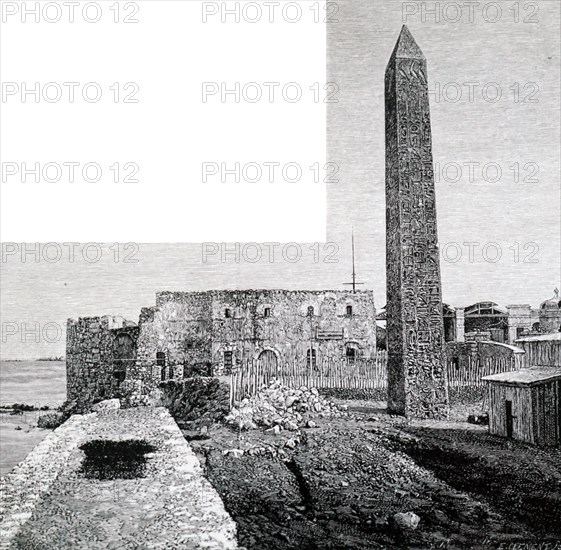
<point>277,407</point>
<point>195,402</point>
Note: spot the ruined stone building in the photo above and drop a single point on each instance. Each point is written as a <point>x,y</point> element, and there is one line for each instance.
<point>213,332</point>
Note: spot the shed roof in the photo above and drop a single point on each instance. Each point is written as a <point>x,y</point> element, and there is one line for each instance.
<point>526,377</point>
<point>541,337</point>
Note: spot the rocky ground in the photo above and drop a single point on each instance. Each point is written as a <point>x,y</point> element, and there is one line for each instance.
<point>357,478</point>
<point>522,482</point>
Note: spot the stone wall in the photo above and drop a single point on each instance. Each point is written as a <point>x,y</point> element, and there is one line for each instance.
<point>200,328</point>
<point>198,331</point>
<point>100,352</point>
<point>457,353</point>
<point>519,320</point>
<point>460,355</point>
<point>180,329</point>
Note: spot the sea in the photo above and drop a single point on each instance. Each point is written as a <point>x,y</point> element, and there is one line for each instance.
<point>37,383</point>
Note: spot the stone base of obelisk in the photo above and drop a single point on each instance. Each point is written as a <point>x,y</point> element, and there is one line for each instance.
<point>419,389</point>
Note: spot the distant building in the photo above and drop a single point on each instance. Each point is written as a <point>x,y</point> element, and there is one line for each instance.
<point>550,314</point>
<point>478,318</point>
<point>501,325</point>
<point>523,320</point>
<point>487,317</point>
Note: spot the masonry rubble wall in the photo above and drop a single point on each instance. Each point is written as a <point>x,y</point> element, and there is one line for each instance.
<point>212,332</point>
<point>98,351</point>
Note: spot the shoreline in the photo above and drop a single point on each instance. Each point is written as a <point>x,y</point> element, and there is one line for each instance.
<point>27,384</point>
<point>19,435</point>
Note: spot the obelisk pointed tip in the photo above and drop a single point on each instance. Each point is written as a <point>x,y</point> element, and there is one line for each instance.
<point>406,47</point>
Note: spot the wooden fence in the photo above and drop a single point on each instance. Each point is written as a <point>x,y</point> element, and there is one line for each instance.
<point>475,368</point>
<point>369,373</point>
<point>542,352</point>
<point>364,373</point>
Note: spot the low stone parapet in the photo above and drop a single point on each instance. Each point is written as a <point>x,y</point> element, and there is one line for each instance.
<point>48,501</point>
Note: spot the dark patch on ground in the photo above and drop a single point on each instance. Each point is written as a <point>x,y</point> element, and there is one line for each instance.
<point>107,459</point>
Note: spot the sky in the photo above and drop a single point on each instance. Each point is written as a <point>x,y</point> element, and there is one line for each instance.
<point>518,215</point>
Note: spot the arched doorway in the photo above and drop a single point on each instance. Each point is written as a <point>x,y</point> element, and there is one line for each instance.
<point>268,361</point>
<point>124,356</point>
<point>352,353</point>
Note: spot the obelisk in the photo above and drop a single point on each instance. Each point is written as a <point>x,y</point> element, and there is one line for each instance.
<point>417,385</point>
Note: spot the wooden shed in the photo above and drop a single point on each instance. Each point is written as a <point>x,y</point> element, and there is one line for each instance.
<point>525,405</point>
